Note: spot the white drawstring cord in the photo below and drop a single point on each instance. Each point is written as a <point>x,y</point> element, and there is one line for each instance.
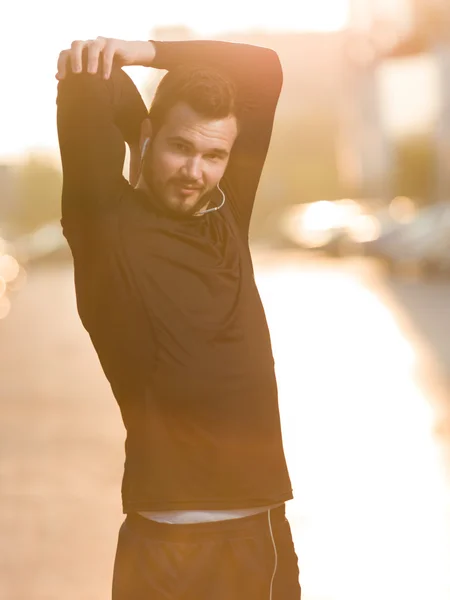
<point>214,208</point>
<point>275,554</point>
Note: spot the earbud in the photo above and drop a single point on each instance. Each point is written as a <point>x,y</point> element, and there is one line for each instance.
<point>144,148</point>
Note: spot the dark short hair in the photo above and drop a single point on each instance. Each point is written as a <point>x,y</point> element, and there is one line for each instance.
<point>205,90</point>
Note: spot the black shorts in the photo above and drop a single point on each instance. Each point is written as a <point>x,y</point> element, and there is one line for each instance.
<point>252,558</point>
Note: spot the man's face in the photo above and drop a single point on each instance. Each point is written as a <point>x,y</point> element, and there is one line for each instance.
<point>187,158</point>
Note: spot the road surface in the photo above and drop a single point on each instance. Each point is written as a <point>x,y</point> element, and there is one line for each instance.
<point>365,411</point>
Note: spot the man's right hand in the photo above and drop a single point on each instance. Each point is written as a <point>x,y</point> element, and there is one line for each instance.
<point>102,53</point>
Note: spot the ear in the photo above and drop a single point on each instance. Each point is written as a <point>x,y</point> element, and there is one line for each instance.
<point>146,132</point>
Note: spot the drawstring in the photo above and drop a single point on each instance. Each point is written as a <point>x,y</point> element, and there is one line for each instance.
<point>269,514</point>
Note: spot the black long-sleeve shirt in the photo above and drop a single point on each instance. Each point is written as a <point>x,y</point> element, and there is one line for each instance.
<point>171,305</point>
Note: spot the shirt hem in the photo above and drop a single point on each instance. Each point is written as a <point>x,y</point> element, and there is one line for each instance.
<point>130,506</point>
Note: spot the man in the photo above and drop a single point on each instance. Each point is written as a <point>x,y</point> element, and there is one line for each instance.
<point>165,288</point>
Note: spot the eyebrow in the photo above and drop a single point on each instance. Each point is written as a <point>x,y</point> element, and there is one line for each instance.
<point>219,151</point>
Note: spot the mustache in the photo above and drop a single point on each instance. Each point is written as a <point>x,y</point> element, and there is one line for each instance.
<point>190,183</point>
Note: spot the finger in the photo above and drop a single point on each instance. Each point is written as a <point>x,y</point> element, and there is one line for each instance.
<point>62,64</point>
<point>76,56</point>
<point>109,49</point>
<point>94,49</point>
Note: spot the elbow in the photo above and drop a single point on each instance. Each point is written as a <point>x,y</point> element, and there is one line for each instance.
<point>83,100</point>
<point>276,69</point>
<point>79,87</point>
<point>271,69</point>
<point>72,88</point>
<point>75,80</point>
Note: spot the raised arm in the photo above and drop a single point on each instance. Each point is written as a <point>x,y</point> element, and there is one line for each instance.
<point>95,117</point>
<point>258,77</point>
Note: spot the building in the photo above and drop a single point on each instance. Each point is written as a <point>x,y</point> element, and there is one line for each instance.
<point>399,73</point>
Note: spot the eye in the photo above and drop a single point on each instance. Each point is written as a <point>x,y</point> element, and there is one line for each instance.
<point>213,157</point>
<point>179,147</point>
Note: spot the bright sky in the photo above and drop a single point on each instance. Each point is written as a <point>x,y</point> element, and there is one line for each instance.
<point>33,33</point>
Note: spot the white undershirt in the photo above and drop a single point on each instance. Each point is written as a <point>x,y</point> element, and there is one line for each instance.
<point>184,517</point>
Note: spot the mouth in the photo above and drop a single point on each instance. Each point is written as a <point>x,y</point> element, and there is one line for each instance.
<point>187,190</point>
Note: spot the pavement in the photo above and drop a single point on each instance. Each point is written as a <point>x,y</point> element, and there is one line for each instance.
<point>363,366</point>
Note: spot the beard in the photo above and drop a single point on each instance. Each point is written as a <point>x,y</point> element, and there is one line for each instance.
<point>164,193</point>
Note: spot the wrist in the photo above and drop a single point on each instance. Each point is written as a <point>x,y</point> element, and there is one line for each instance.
<point>143,53</point>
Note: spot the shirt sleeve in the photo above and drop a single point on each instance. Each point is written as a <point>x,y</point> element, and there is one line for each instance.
<point>95,117</point>
<point>258,77</point>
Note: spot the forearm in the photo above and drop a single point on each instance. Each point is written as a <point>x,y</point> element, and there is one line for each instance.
<point>239,61</point>
<point>255,71</point>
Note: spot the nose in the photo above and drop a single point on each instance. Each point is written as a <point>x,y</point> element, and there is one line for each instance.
<point>193,168</point>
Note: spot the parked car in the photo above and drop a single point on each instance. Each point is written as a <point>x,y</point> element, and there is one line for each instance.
<point>332,227</point>
<point>422,243</point>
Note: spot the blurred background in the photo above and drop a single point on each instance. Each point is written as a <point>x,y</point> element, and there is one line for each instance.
<point>351,243</point>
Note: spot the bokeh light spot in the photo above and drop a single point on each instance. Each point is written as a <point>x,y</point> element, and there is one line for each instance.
<point>9,267</point>
<point>5,307</point>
